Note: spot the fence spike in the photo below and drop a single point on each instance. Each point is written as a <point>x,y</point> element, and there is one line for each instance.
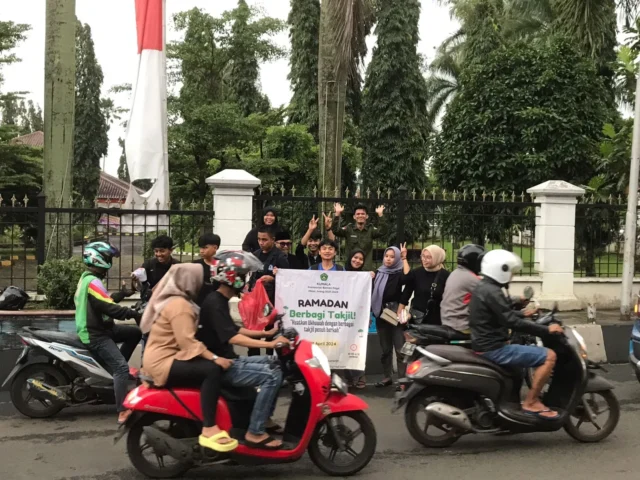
<point>424,193</point>
<point>388,193</point>
<point>315,191</point>
<point>336,192</point>
<point>504,196</point>
<point>13,200</point>
<point>610,199</point>
<point>108,202</point>
<point>378,192</point>
<point>293,191</point>
<point>444,194</point>
<point>513,196</point>
<point>434,192</point>
<point>484,195</point>
<point>260,190</point>
<point>619,199</point>
<point>473,193</point>
<point>133,204</point>
<point>368,192</point>
<point>493,195</point>
<point>25,200</point>
<point>413,194</point>
<point>145,204</point>
<point>1,199</point>
<point>169,205</point>
<point>158,204</point>
<point>522,196</point>
<point>271,189</point>
<point>455,195</point>
<point>181,204</point>
<point>464,194</point>
<point>282,190</point>
<point>346,192</point>
<point>357,194</point>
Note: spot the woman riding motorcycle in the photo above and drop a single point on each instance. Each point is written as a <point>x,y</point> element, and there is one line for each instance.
<point>174,358</point>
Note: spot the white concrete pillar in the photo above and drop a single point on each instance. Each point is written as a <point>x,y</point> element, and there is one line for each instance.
<point>233,192</point>
<point>555,241</point>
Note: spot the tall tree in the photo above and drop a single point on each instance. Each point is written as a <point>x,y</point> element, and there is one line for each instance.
<point>304,24</point>
<point>90,137</point>
<point>35,117</point>
<point>123,171</point>
<point>394,124</point>
<point>249,44</point>
<point>343,29</point>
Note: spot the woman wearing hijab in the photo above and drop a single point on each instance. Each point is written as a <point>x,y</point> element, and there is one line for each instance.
<point>174,358</point>
<point>387,291</point>
<point>355,263</point>
<point>269,217</point>
<point>426,284</point>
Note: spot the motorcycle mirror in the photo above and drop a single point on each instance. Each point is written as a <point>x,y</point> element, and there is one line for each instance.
<point>555,307</point>
<point>528,292</point>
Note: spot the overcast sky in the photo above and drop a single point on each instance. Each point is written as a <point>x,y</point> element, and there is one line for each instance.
<point>114,33</point>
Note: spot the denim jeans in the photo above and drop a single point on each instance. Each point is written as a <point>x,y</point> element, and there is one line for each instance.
<point>263,372</point>
<point>116,360</point>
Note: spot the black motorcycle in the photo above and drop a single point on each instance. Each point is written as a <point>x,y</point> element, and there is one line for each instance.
<point>459,392</point>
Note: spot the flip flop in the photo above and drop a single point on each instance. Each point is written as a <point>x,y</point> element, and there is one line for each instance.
<point>275,430</point>
<point>388,383</point>
<point>360,384</point>
<point>263,445</point>
<point>539,413</point>
<point>213,444</point>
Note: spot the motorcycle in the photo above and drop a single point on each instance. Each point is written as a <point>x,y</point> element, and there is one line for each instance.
<point>634,342</point>
<point>71,376</point>
<point>323,419</point>
<point>460,392</point>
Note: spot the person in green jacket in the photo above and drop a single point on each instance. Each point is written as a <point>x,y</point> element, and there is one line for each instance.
<point>95,311</point>
<point>358,235</point>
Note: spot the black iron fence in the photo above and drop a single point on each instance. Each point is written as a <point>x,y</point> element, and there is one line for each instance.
<point>31,232</point>
<point>447,219</point>
<point>599,241</point>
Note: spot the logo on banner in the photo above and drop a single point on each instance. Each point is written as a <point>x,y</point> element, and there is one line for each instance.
<point>324,277</point>
<point>353,347</point>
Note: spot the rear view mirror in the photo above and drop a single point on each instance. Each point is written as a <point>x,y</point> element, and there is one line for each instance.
<point>555,308</point>
<point>528,293</point>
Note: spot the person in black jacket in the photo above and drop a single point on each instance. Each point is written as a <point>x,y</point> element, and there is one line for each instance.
<point>491,318</point>
<point>209,244</point>
<point>269,218</point>
<point>387,291</point>
<point>284,244</point>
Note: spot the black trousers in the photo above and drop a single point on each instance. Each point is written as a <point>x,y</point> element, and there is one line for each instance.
<point>391,338</point>
<point>202,374</point>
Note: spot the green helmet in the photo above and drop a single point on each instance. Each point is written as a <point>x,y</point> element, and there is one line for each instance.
<point>100,254</point>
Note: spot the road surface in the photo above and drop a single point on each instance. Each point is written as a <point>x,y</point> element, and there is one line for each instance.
<point>77,445</point>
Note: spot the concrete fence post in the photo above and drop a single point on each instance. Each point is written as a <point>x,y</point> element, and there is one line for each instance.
<point>555,241</point>
<point>233,192</point>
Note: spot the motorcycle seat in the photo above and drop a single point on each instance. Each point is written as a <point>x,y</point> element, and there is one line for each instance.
<point>70,339</point>
<point>463,355</point>
<point>440,331</point>
<point>229,393</point>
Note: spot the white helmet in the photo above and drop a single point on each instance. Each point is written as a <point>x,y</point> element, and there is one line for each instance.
<point>499,265</point>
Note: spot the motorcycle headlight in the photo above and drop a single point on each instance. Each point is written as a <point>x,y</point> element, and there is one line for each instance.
<point>319,360</point>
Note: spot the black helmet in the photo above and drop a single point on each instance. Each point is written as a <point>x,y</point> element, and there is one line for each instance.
<point>470,257</point>
<point>13,298</point>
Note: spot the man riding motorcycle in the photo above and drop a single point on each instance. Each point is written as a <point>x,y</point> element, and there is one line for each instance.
<point>454,308</point>
<point>95,311</point>
<point>491,318</point>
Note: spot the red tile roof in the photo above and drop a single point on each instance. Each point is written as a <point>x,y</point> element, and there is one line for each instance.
<point>35,139</point>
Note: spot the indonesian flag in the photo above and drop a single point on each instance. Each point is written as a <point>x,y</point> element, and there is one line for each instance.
<point>146,138</point>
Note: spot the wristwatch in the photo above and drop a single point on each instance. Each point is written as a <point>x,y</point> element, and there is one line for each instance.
<point>215,357</point>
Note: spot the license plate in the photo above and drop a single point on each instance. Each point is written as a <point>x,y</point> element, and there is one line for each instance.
<point>408,348</point>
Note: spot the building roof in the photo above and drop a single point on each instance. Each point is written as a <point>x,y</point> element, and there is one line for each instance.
<point>111,188</point>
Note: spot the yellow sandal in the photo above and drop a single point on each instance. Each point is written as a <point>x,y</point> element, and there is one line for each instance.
<point>212,442</point>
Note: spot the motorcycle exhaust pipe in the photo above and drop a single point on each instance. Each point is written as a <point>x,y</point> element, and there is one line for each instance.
<point>43,391</point>
<point>450,415</point>
<point>164,444</point>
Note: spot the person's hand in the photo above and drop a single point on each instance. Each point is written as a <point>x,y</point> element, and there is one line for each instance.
<point>223,363</point>
<point>275,270</point>
<point>338,208</point>
<point>271,333</point>
<point>373,275</point>
<point>530,312</point>
<point>403,251</point>
<point>555,328</point>
<point>280,342</point>
<point>380,210</point>
<point>328,221</point>
<point>267,278</point>
<point>313,223</point>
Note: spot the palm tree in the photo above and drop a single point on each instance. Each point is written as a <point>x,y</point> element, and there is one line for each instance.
<point>344,26</point>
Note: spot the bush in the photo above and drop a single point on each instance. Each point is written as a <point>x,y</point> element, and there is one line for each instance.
<point>58,280</point>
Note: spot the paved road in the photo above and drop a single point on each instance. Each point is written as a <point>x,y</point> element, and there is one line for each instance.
<point>77,445</point>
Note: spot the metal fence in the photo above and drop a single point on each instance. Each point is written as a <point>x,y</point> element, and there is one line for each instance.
<point>31,232</point>
<point>447,219</point>
<point>599,241</point>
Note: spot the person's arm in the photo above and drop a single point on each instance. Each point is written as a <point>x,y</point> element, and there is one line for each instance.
<point>335,225</point>
<point>101,302</point>
<point>313,225</point>
<point>515,320</point>
<point>409,286</point>
<point>382,229</point>
<point>244,341</point>
<point>255,334</point>
<point>406,268</point>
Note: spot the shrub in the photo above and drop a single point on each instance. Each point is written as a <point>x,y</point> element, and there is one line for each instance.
<point>58,280</point>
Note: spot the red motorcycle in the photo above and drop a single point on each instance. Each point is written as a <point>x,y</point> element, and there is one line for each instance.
<point>323,419</point>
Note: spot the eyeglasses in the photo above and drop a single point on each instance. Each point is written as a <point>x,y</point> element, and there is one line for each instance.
<point>285,244</point>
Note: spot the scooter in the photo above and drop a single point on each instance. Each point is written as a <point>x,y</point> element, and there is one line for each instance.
<point>459,392</point>
<point>634,342</point>
<point>323,419</point>
<point>71,376</point>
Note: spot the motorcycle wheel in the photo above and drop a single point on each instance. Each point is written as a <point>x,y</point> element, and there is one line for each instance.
<point>415,408</point>
<point>21,397</point>
<point>323,437</point>
<point>602,432</point>
<point>136,452</point>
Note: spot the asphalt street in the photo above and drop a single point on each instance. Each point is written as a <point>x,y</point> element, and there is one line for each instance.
<point>77,445</point>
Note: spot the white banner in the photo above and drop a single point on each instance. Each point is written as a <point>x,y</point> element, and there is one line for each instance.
<point>328,308</point>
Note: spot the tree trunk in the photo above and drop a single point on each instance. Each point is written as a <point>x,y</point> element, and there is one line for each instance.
<point>332,88</point>
<point>59,105</point>
<point>590,262</point>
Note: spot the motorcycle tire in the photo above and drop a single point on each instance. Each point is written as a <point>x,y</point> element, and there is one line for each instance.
<point>52,376</point>
<point>360,461</point>
<point>134,451</point>
<point>414,408</point>
<point>606,430</point>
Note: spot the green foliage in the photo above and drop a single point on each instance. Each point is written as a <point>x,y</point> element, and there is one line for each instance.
<point>10,35</point>
<point>20,169</point>
<point>123,171</point>
<point>304,23</point>
<point>615,149</point>
<point>90,141</point>
<point>507,132</point>
<point>394,126</point>
<point>58,280</point>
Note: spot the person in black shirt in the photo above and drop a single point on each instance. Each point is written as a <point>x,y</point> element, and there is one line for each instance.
<point>219,333</point>
<point>209,244</point>
<point>270,218</point>
<point>284,243</point>
<point>311,240</point>
<point>159,265</point>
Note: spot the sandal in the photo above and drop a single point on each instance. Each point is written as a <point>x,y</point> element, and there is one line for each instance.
<point>386,383</point>
<point>213,444</point>
<point>361,383</point>
<point>274,430</point>
<point>539,413</point>
<point>263,445</point>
